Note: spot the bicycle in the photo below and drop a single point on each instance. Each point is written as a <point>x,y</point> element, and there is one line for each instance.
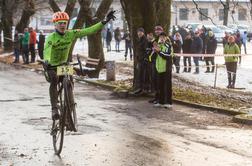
<point>66,105</point>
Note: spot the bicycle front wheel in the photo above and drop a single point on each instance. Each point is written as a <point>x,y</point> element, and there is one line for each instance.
<point>58,126</point>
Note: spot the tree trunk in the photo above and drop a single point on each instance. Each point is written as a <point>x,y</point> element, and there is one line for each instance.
<point>94,41</point>
<point>152,13</point>
<point>7,22</point>
<point>226,11</point>
<point>54,6</point>
<point>28,11</point>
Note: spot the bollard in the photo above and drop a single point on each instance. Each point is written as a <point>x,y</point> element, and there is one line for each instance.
<point>110,66</point>
<point>216,73</point>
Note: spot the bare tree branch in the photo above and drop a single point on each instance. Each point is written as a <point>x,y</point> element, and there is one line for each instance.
<point>198,9</point>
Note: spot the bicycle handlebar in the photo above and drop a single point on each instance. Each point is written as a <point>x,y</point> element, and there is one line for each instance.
<point>43,62</point>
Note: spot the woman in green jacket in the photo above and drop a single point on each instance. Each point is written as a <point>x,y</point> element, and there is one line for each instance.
<point>231,61</point>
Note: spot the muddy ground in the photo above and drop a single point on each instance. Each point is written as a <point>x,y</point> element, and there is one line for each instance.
<point>113,131</point>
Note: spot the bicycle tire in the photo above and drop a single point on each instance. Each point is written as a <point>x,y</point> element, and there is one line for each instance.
<point>61,122</point>
<point>71,111</point>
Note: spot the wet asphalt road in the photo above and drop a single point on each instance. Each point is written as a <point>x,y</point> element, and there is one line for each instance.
<point>112,131</point>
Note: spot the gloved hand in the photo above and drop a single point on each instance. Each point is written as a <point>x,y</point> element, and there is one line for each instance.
<point>110,16</point>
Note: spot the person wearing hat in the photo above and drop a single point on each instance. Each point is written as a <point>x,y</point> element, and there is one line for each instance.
<point>141,72</point>
<point>231,61</point>
<point>211,46</point>
<point>41,43</point>
<point>164,71</point>
<point>196,48</point>
<point>57,48</point>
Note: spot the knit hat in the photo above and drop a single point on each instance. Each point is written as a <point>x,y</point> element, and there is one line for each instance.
<point>140,30</point>
<point>159,28</point>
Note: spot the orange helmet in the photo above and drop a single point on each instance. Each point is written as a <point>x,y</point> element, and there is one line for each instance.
<point>59,16</point>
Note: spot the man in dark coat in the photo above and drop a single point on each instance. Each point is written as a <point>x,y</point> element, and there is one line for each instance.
<point>140,57</point>
<point>187,50</point>
<point>108,40</point>
<point>196,48</point>
<point>211,45</point>
<point>41,43</point>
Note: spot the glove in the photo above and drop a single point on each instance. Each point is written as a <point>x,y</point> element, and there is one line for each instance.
<point>110,16</point>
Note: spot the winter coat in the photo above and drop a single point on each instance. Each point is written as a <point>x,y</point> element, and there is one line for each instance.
<point>109,36</point>
<point>126,37</point>
<point>177,46</point>
<point>187,46</point>
<point>117,35</point>
<point>33,39</point>
<point>162,57</point>
<point>25,39</point>
<point>231,49</point>
<point>197,45</point>
<point>16,42</point>
<point>41,42</point>
<point>141,46</point>
<point>211,45</point>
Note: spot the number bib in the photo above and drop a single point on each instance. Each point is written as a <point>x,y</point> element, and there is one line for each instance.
<point>65,70</point>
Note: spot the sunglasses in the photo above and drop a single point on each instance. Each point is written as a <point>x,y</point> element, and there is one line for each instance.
<point>62,22</point>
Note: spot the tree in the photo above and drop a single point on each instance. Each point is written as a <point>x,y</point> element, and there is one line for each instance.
<point>28,11</point>
<point>8,8</point>
<point>152,13</point>
<point>226,11</point>
<point>95,48</point>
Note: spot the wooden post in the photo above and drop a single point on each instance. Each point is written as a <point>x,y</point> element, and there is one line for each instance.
<point>216,73</point>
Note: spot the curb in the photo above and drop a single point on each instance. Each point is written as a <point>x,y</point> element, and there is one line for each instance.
<point>239,116</point>
<point>244,119</point>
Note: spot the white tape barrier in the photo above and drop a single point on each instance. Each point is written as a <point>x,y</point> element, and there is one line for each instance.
<point>211,55</point>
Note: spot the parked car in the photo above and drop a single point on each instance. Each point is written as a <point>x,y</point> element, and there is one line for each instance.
<point>219,34</point>
<point>226,29</point>
<point>194,26</point>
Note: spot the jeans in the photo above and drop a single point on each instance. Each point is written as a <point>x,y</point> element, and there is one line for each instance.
<point>176,62</point>
<point>25,49</point>
<point>196,62</point>
<point>208,61</point>
<point>128,47</point>
<point>117,46</point>
<point>187,68</point>
<point>32,50</point>
<point>16,53</point>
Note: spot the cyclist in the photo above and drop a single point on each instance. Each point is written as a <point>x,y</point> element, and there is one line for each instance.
<point>57,48</point>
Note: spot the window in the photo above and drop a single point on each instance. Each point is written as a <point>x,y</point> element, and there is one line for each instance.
<point>221,14</point>
<point>183,14</point>
<point>45,21</point>
<point>242,14</point>
<point>205,13</point>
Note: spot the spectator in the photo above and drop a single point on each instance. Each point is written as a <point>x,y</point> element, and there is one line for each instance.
<point>238,41</point>
<point>225,39</point>
<point>203,36</point>
<point>196,48</point>
<point>187,50</point>
<point>177,46</point>
<point>151,60</point>
<point>32,44</point>
<point>41,44</point>
<point>141,47</point>
<point>231,61</point>
<point>211,46</point>
<point>164,70</point>
<point>158,30</point>
<point>25,46</point>
<point>108,40</point>
<point>128,45</point>
<point>244,41</point>
<point>16,47</point>
<point>117,39</point>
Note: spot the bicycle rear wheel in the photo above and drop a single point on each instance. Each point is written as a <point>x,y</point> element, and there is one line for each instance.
<point>58,126</point>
